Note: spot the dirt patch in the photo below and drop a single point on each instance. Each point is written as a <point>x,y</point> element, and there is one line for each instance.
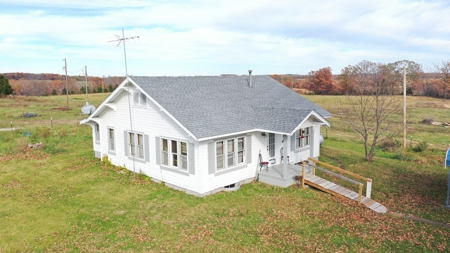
<point>26,154</point>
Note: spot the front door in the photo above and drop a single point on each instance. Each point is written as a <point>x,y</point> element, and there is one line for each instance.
<point>271,148</point>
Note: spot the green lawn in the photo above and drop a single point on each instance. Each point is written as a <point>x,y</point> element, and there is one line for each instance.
<point>62,199</point>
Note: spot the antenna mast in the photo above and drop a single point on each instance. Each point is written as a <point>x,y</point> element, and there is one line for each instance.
<point>128,91</point>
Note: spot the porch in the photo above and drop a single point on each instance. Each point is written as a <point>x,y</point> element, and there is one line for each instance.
<point>274,175</point>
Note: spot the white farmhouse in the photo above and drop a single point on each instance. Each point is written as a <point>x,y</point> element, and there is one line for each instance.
<point>202,134</point>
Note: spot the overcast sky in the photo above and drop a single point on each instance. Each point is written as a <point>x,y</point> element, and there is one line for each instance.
<point>179,38</point>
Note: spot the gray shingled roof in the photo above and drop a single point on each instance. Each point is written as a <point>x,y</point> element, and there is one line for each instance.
<point>218,105</point>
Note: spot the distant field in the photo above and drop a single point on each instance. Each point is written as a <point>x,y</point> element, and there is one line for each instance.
<point>62,199</point>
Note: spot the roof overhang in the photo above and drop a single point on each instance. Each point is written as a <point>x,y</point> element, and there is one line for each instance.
<point>316,116</point>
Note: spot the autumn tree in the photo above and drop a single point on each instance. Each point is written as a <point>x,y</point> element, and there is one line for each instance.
<point>371,109</point>
<point>5,87</point>
<point>443,75</point>
<point>321,81</point>
<point>347,80</point>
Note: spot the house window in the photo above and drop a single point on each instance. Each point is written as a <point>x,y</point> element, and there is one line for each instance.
<point>241,144</point>
<point>140,146</point>
<point>139,98</point>
<point>111,139</point>
<point>231,154</point>
<point>234,150</point>
<point>136,145</point>
<point>97,133</point>
<point>303,137</point>
<point>174,154</point>
<point>165,152</point>
<point>220,155</point>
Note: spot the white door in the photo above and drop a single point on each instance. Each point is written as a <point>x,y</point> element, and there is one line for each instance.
<point>271,148</point>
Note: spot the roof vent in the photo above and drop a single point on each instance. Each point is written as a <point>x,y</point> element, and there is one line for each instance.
<point>250,78</point>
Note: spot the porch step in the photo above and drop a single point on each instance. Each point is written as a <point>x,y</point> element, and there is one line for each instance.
<point>334,189</point>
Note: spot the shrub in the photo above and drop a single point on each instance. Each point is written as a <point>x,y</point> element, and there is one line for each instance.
<point>389,144</point>
<point>420,147</point>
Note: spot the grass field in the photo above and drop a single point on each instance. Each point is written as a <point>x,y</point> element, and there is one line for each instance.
<point>61,199</point>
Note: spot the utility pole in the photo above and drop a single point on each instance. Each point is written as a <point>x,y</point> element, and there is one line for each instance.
<point>67,87</point>
<point>85,76</point>
<point>404,107</point>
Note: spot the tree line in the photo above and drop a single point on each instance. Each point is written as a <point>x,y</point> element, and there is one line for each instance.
<point>28,84</point>
<point>435,82</point>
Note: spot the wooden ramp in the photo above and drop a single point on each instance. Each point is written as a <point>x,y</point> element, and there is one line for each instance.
<point>335,189</point>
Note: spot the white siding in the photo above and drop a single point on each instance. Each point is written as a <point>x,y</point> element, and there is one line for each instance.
<point>150,121</point>
<point>216,180</point>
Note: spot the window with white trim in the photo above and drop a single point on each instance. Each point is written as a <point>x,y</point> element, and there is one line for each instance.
<point>139,98</point>
<point>233,150</point>
<point>135,145</point>
<point>111,145</point>
<point>97,133</point>
<point>303,137</point>
<point>174,154</point>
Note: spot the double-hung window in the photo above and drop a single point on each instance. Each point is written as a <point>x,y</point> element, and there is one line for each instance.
<point>220,155</point>
<point>136,145</point>
<point>303,137</point>
<point>97,133</point>
<point>174,154</point>
<point>241,144</point>
<point>111,139</point>
<point>230,153</point>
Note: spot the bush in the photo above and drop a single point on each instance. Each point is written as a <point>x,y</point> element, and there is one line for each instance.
<point>389,144</point>
<point>420,147</point>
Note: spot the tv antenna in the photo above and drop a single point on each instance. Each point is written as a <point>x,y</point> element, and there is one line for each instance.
<point>119,40</point>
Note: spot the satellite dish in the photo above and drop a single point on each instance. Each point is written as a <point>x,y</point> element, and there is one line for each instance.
<point>88,109</point>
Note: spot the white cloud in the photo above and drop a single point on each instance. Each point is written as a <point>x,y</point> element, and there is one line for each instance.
<point>213,37</point>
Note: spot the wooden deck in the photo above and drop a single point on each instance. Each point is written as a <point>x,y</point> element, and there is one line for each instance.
<point>337,190</point>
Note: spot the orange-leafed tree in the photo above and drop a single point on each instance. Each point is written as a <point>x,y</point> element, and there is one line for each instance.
<point>321,81</point>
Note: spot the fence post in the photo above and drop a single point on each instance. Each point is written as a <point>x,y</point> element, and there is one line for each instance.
<point>314,168</point>
<point>360,194</point>
<point>303,174</point>
<point>369,188</point>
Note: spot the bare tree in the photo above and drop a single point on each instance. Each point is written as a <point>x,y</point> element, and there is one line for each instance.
<point>414,73</point>
<point>372,110</point>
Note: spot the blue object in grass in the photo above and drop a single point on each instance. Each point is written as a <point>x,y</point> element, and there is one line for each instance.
<point>29,115</point>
